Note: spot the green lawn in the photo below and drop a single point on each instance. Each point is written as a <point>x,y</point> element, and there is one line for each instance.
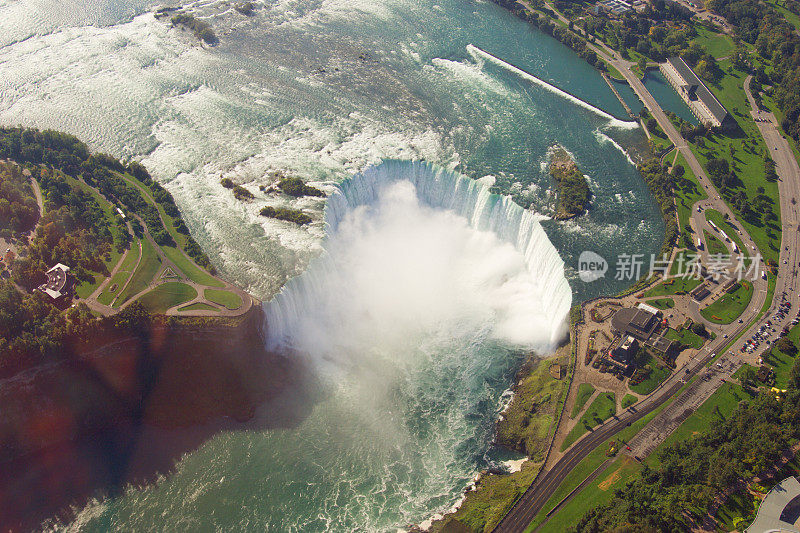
<point>687,192</point>
<point>673,286</point>
<point>721,222</point>
<point>662,303</point>
<point>628,400</point>
<point>224,298</point>
<point>122,275</point>
<point>730,306</point>
<point>782,363</point>
<point>588,464</point>
<point>713,245</point>
<point>144,274</point>
<point>199,306</point>
<point>716,44</point>
<point>167,295</point>
<point>747,160</point>
<point>687,337</point>
<point>714,410</point>
<point>192,271</point>
<point>657,375</point>
<point>585,391</point>
<point>599,492</point>
<point>601,409</point>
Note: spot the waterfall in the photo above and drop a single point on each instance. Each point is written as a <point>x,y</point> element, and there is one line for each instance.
<point>479,54</point>
<point>443,190</point>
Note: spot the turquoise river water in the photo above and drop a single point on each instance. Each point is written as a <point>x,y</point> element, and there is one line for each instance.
<point>414,309</point>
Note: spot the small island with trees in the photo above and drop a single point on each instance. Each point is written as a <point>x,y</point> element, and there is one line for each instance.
<point>573,194</point>
<point>200,28</point>
<point>286,213</point>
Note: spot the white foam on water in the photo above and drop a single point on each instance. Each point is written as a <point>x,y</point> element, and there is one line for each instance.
<point>477,53</point>
<point>603,138</point>
<point>408,265</point>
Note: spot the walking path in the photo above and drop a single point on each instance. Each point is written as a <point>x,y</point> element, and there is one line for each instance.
<point>526,508</point>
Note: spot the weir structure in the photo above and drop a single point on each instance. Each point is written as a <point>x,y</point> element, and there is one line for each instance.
<point>479,54</point>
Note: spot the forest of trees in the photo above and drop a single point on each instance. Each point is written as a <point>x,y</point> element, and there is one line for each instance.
<point>690,474</point>
<point>66,153</point>
<point>18,209</point>
<point>33,332</point>
<point>777,42</point>
<point>74,231</point>
<point>662,186</point>
<point>573,189</point>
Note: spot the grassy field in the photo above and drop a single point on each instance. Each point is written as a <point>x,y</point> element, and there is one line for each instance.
<point>122,275</point>
<point>184,263</point>
<point>144,274</point>
<point>687,192</point>
<point>227,299</point>
<point>601,409</point>
<point>167,295</point>
<point>662,303</point>
<point>747,159</point>
<point>673,286</point>
<point>686,337</point>
<point>585,391</point>
<point>600,491</point>
<point>192,271</point>
<point>199,306</point>
<point>730,305</point>
<point>713,245</point>
<point>717,408</point>
<point>782,363</point>
<point>729,230</point>
<point>717,44</point>
<point>589,463</point>
<point>628,400</point>
<point>657,375</point>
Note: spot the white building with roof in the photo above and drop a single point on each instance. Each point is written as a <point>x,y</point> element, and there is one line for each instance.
<point>56,281</point>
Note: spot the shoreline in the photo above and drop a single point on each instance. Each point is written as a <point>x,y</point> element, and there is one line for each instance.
<point>144,402</point>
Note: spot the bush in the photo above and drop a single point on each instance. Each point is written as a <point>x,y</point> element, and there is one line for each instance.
<point>295,187</point>
<point>226,182</point>
<point>786,346</point>
<point>287,214</point>
<point>240,193</point>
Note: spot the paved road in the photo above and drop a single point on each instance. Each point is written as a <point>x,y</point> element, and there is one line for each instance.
<point>528,506</point>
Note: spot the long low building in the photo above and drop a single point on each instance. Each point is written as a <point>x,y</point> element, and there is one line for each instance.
<point>698,97</point>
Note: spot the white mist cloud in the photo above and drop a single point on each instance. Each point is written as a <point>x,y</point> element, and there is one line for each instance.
<point>399,274</point>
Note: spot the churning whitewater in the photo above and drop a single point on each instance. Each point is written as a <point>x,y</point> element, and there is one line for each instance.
<point>414,294</point>
<point>411,247</point>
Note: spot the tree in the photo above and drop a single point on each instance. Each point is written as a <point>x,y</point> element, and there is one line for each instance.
<point>748,376</point>
<point>786,346</point>
<point>699,329</point>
